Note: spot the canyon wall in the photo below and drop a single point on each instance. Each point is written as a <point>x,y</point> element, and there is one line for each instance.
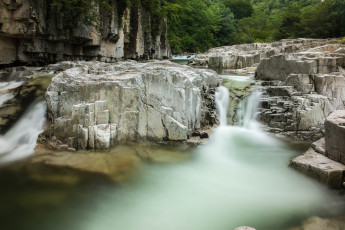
<point>35,33</point>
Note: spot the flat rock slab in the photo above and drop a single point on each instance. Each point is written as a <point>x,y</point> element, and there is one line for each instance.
<point>320,167</point>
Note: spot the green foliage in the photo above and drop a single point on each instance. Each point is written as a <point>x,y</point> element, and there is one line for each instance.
<point>227,22</point>
<point>240,8</point>
<point>197,25</point>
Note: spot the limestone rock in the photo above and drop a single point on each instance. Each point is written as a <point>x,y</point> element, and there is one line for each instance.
<point>249,55</point>
<point>320,167</point>
<point>33,32</point>
<point>335,136</point>
<point>98,104</point>
<point>301,90</point>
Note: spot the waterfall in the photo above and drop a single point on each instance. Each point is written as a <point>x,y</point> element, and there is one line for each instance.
<point>222,103</point>
<point>251,105</point>
<point>20,141</point>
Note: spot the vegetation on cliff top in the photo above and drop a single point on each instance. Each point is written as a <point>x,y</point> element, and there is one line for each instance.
<point>197,25</point>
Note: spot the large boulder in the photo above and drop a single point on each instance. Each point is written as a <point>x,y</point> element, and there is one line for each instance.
<point>98,104</point>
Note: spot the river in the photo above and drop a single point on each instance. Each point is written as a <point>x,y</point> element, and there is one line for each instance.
<point>240,177</point>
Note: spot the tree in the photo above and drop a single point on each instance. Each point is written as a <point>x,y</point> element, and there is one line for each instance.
<point>240,8</point>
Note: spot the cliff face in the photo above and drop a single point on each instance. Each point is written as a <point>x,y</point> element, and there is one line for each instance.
<point>33,32</point>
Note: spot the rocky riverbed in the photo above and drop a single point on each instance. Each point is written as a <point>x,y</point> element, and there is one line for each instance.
<point>298,87</point>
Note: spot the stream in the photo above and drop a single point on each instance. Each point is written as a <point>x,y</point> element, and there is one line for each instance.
<point>240,177</point>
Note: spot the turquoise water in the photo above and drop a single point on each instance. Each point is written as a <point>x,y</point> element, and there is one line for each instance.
<point>240,177</point>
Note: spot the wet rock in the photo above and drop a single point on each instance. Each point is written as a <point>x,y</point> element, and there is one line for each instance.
<point>203,135</point>
<point>116,165</point>
<point>195,134</point>
<point>99,104</point>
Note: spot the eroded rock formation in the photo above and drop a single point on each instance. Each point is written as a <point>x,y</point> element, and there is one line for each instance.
<point>33,32</point>
<point>248,55</point>
<point>302,89</point>
<point>96,104</point>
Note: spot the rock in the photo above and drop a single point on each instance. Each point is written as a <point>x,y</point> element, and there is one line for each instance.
<point>300,90</point>
<point>320,167</point>
<point>100,104</point>
<point>195,134</point>
<point>320,146</point>
<point>318,223</point>
<point>249,55</point>
<point>116,165</point>
<point>33,32</point>
<point>244,228</point>
<point>335,136</point>
<point>203,135</point>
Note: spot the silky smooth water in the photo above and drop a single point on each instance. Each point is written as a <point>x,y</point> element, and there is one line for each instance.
<point>19,142</point>
<point>240,177</point>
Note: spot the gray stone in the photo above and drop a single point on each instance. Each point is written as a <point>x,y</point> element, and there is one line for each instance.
<point>34,32</point>
<point>320,146</point>
<point>335,136</point>
<point>249,55</point>
<point>320,168</point>
<point>244,228</point>
<point>97,105</point>
<point>300,90</point>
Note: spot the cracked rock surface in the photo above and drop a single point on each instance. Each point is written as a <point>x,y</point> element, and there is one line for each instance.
<point>301,90</point>
<point>96,105</point>
<point>250,55</point>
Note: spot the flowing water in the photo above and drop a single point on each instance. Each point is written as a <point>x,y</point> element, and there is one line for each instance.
<point>19,142</point>
<point>240,177</point>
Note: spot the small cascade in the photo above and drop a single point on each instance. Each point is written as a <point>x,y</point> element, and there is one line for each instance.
<point>251,105</point>
<point>20,141</point>
<point>222,103</point>
<point>247,111</point>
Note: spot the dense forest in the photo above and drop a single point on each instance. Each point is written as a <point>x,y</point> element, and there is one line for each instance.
<point>197,25</point>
